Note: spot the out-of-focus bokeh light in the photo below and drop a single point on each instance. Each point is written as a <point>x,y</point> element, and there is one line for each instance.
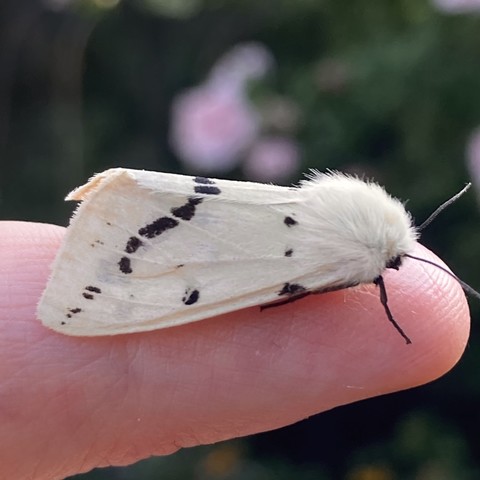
<point>473,159</point>
<point>214,124</point>
<point>211,126</point>
<point>457,6</point>
<point>272,159</point>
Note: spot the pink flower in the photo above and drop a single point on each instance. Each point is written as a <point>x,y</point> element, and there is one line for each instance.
<point>244,62</point>
<point>457,6</point>
<point>272,159</point>
<point>211,128</point>
<point>214,124</point>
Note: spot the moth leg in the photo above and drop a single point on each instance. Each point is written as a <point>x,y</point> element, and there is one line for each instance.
<point>384,301</point>
<point>290,299</point>
<point>296,292</point>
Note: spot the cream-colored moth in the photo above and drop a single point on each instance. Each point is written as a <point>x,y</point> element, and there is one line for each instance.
<point>148,250</point>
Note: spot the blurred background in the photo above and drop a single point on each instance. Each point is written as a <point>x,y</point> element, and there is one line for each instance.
<point>264,91</point>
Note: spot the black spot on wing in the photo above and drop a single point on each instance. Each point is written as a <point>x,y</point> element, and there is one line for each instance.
<point>204,180</point>
<point>292,289</point>
<point>89,291</point>
<point>289,221</point>
<point>125,265</point>
<point>133,244</point>
<point>157,227</point>
<point>187,211</point>
<point>289,252</point>
<point>207,189</point>
<point>72,312</point>
<point>90,288</point>
<point>206,186</point>
<point>190,297</point>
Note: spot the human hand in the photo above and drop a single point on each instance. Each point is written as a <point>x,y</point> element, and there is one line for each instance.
<point>69,404</point>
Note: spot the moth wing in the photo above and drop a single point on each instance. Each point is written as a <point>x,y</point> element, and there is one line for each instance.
<point>150,250</point>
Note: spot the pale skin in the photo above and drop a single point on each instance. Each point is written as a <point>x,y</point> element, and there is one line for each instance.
<point>70,404</point>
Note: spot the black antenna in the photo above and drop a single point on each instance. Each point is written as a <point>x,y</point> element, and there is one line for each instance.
<point>384,301</point>
<point>381,284</point>
<point>467,288</point>
<point>442,207</point>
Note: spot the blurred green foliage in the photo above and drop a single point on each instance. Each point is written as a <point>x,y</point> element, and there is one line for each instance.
<point>390,89</point>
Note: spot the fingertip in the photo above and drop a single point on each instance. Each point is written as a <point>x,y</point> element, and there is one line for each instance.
<point>350,335</point>
<point>436,311</point>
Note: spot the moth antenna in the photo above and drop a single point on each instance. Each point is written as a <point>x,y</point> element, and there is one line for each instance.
<point>467,288</point>
<point>384,301</point>
<point>442,207</point>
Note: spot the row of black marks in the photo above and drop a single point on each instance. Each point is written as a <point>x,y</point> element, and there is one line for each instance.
<point>206,186</point>
<point>289,222</point>
<point>96,242</point>
<point>291,289</point>
<point>72,312</point>
<point>88,293</point>
<point>185,212</point>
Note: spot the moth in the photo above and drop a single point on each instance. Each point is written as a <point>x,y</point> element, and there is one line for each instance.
<point>148,250</point>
